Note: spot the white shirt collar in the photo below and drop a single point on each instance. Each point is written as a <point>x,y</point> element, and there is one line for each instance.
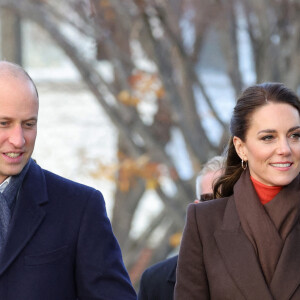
<point>4,184</point>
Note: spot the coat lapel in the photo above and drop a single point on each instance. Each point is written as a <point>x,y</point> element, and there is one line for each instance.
<point>27,216</point>
<point>287,276</point>
<point>239,256</point>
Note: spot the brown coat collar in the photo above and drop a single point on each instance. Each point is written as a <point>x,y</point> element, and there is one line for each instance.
<point>242,264</point>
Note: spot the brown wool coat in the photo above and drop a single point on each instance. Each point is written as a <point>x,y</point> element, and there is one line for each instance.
<point>218,262</point>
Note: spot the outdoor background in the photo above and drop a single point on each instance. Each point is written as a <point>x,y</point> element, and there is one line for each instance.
<point>136,95</point>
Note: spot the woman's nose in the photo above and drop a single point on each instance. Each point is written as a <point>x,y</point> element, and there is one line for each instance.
<point>284,147</point>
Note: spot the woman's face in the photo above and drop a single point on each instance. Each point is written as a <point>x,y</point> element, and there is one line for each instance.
<point>272,144</point>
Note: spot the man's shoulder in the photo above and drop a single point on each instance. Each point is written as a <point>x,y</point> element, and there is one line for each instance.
<point>164,265</point>
<point>59,184</point>
<point>158,281</point>
<point>69,195</point>
<point>67,187</point>
<point>60,180</point>
<point>162,268</point>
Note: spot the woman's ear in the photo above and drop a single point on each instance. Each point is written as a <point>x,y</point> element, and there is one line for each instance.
<point>239,146</point>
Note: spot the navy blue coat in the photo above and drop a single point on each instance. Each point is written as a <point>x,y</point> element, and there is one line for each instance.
<point>158,281</point>
<point>60,244</point>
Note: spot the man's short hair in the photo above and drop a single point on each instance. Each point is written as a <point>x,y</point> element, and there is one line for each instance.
<point>213,165</point>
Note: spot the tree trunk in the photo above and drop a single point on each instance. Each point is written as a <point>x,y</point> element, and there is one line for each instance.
<point>11,36</point>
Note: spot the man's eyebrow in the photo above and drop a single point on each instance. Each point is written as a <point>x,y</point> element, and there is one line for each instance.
<point>294,128</point>
<point>35,118</point>
<point>32,118</point>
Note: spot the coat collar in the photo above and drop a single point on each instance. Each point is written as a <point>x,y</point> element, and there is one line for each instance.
<point>28,214</point>
<point>242,264</point>
<point>286,278</point>
<point>239,256</point>
<point>172,275</point>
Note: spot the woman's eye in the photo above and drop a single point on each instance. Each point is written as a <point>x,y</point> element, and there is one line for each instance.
<point>267,137</point>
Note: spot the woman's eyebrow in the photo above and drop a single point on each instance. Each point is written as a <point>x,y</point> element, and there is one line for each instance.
<point>267,131</point>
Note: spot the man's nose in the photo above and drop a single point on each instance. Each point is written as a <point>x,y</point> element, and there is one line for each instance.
<point>16,137</point>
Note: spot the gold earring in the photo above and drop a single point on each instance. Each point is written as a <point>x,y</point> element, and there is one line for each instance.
<point>244,165</point>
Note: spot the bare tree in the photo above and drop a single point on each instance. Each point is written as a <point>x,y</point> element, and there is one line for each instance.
<point>160,52</point>
<point>11,48</point>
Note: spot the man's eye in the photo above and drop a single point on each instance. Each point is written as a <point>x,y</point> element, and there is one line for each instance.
<point>295,136</point>
<point>3,123</point>
<point>30,124</point>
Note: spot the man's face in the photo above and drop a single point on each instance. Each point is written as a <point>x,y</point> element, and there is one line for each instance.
<point>18,124</point>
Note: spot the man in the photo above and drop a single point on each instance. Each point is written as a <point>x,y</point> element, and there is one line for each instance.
<point>56,241</point>
<point>158,281</point>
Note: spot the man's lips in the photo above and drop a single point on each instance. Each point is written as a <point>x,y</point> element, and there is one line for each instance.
<point>13,154</point>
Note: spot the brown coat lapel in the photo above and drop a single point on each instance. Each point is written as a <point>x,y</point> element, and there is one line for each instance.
<point>241,261</point>
<point>286,278</point>
<point>239,256</point>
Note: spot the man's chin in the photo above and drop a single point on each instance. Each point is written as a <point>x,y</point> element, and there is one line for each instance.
<point>13,171</point>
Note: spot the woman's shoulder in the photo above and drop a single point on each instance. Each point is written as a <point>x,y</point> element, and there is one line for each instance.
<point>208,212</point>
<point>212,205</point>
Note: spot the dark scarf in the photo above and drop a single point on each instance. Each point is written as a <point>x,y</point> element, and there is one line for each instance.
<point>267,226</point>
<point>7,203</point>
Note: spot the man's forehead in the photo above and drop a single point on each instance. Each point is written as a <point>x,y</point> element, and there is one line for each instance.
<point>9,71</point>
<point>12,73</point>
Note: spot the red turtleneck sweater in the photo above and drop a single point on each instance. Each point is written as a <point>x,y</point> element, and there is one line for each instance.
<point>265,192</point>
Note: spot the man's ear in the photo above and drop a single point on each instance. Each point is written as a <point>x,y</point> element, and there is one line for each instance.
<point>239,146</point>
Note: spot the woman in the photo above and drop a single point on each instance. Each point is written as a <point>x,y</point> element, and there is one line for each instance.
<point>246,245</point>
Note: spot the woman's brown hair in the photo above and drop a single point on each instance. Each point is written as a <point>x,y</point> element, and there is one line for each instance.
<point>249,101</point>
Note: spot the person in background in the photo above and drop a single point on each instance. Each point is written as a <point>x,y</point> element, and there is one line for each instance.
<point>56,241</point>
<point>158,281</point>
<point>246,243</point>
<point>206,178</point>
